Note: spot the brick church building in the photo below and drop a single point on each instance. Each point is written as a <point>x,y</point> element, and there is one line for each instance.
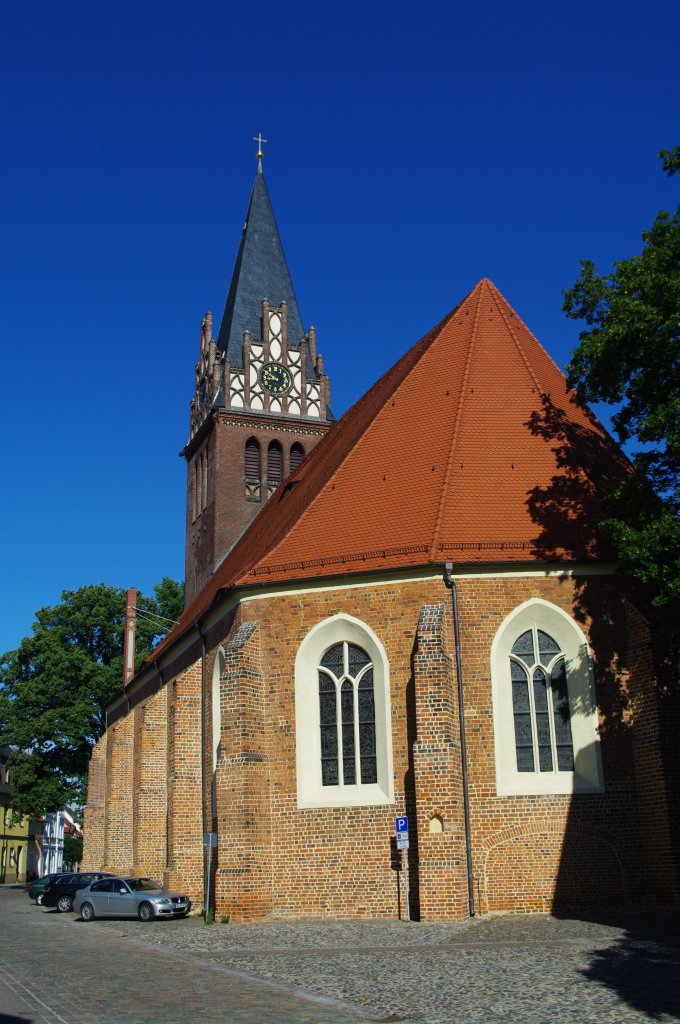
<point>405,612</point>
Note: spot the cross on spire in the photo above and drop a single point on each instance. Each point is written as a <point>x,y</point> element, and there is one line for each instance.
<point>259,140</point>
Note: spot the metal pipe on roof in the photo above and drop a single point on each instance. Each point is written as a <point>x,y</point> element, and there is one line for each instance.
<point>450,582</point>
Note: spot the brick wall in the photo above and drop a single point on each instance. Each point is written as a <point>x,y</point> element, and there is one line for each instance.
<point>243,881</point>
<point>93,819</point>
<point>529,852</point>
<point>438,858</point>
<point>150,773</point>
<point>212,533</point>
<point>185,813</point>
<point>118,818</point>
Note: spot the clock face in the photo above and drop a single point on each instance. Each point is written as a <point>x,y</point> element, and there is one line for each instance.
<point>275,379</point>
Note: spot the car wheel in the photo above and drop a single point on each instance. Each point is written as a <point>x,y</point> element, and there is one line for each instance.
<point>64,904</point>
<point>39,899</point>
<point>87,912</point>
<point>145,912</point>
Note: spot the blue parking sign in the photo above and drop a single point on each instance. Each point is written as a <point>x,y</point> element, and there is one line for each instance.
<point>401,825</point>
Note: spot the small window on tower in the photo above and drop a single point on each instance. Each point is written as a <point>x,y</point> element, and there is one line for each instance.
<point>274,465</point>
<point>252,469</point>
<point>297,454</point>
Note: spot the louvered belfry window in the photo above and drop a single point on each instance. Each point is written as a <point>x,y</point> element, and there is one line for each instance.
<point>275,463</point>
<point>540,704</point>
<point>347,717</point>
<point>252,460</point>
<point>297,454</point>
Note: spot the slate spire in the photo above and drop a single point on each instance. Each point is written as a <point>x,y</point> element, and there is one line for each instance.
<point>261,272</point>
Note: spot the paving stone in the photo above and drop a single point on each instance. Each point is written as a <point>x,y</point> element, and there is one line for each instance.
<point>530,969</point>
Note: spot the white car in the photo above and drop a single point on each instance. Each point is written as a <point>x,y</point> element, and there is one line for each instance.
<point>129,897</point>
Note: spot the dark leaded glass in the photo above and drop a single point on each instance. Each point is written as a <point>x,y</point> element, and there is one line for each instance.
<point>520,690</point>
<point>333,659</point>
<point>329,772</point>
<point>523,730</point>
<point>520,706</point>
<point>328,716</point>
<point>369,770</point>
<point>540,695</point>
<point>545,762</point>
<point>349,771</point>
<point>560,700</point>
<point>523,648</point>
<point>357,659</point>
<point>533,710</point>
<point>366,700</point>
<point>367,746</point>
<point>542,721</point>
<point>547,647</point>
<point>525,759</point>
<point>327,708</point>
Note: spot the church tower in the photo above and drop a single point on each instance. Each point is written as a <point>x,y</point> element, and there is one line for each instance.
<point>261,398</point>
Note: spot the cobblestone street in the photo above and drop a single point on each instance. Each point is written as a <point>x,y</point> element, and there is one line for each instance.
<point>516,970</point>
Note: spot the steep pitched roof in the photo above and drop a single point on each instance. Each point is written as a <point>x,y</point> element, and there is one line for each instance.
<point>470,449</point>
<point>260,272</point>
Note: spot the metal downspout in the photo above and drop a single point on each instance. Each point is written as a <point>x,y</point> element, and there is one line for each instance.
<point>203,815</point>
<point>450,582</point>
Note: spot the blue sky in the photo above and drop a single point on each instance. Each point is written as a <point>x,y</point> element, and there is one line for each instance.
<point>413,149</point>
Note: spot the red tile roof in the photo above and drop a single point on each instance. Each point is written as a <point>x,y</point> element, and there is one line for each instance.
<point>470,449</point>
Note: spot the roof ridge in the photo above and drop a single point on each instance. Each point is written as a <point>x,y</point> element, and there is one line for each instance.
<point>497,297</point>
<point>456,425</point>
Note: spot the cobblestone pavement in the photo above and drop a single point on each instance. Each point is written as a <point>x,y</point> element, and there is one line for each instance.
<point>532,969</point>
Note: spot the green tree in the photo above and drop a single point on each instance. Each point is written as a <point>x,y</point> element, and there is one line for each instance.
<point>55,687</point>
<point>73,849</point>
<point>629,355</point>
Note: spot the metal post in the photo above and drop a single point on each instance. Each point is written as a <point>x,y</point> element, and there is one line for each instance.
<point>408,904</point>
<point>207,897</point>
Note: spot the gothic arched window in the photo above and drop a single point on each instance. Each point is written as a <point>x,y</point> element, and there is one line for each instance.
<point>252,459</point>
<point>540,704</point>
<point>274,464</point>
<point>343,716</point>
<point>252,468</point>
<point>545,714</point>
<point>297,454</point>
<point>347,717</point>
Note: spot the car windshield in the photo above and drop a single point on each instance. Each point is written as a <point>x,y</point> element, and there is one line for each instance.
<point>142,884</point>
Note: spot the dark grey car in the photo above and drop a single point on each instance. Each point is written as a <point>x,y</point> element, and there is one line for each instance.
<point>130,897</point>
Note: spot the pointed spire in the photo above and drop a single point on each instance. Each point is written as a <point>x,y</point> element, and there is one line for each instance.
<point>260,272</point>
<point>259,140</point>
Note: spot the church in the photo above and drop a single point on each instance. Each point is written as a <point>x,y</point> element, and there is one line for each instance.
<point>405,613</point>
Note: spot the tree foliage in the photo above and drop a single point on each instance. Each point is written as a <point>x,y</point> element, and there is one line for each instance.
<point>629,355</point>
<point>73,849</point>
<point>55,687</point>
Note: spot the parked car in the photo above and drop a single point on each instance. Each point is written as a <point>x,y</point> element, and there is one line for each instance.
<point>61,891</point>
<point>36,888</point>
<point>130,897</point>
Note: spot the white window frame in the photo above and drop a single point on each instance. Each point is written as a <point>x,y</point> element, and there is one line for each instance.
<point>587,774</point>
<point>310,790</point>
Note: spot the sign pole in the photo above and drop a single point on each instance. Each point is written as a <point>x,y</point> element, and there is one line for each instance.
<point>209,841</point>
<point>401,829</point>
<point>406,882</point>
<point>207,897</point>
